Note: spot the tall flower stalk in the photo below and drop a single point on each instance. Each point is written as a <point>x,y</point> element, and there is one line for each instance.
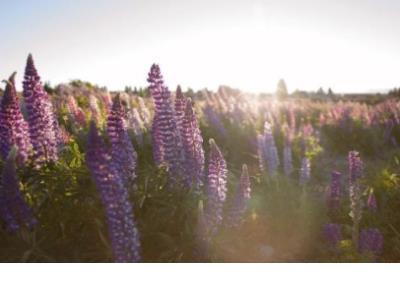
<point>287,156</point>
<point>193,147</point>
<point>122,150</point>
<point>240,200</point>
<point>13,128</point>
<point>123,233</point>
<point>355,173</point>
<point>270,151</point>
<point>216,189</point>
<point>165,133</point>
<point>334,193</point>
<point>43,125</point>
<point>14,210</point>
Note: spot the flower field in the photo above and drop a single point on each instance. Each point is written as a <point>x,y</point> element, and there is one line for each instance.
<point>154,175</point>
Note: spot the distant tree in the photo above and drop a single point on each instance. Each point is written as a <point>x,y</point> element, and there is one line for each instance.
<point>128,89</point>
<point>48,88</point>
<point>281,90</point>
<point>320,91</point>
<point>330,92</point>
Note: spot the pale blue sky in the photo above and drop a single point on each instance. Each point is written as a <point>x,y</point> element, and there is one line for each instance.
<point>349,45</point>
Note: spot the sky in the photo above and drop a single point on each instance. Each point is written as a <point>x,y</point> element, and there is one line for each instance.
<point>348,45</point>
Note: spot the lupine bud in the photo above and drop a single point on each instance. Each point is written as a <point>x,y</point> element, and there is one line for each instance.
<point>334,192</point>
<point>43,125</point>
<point>216,188</point>
<point>332,234</point>
<point>14,211</point>
<point>371,241</point>
<point>122,229</point>
<point>166,136</point>
<point>240,200</point>
<point>193,147</point>
<point>305,171</point>
<point>371,203</point>
<point>122,151</point>
<point>13,128</point>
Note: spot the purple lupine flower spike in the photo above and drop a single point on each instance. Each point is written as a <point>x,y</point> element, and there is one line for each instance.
<point>122,150</point>
<point>355,167</point>
<point>371,203</point>
<point>193,147</point>
<point>355,173</point>
<point>216,189</point>
<point>14,211</point>
<point>43,125</point>
<point>13,128</point>
<point>334,193</point>
<point>123,233</point>
<point>371,241</point>
<point>332,234</point>
<point>241,198</point>
<point>166,137</point>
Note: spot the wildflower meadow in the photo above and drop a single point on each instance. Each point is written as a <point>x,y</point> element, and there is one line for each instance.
<point>162,174</point>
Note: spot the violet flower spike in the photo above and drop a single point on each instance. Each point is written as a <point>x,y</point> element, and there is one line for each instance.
<point>216,189</point>
<point>13,128</point>
<point>334,193</point>
<point>14,210</point>
<point>167,144</point>
<point>193,147</point>
<point>355,173</point>
<point>371,241</point>
<point>123,233</point>
<point>43,125</point>
<point>122,150</point>
<point>332,234</point>
<point>240,200</point>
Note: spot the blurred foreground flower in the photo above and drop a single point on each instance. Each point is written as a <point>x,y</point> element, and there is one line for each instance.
<point>371,241</point>
<point>14,211</point>
<point>122,228</point>
<point>332,234</point>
